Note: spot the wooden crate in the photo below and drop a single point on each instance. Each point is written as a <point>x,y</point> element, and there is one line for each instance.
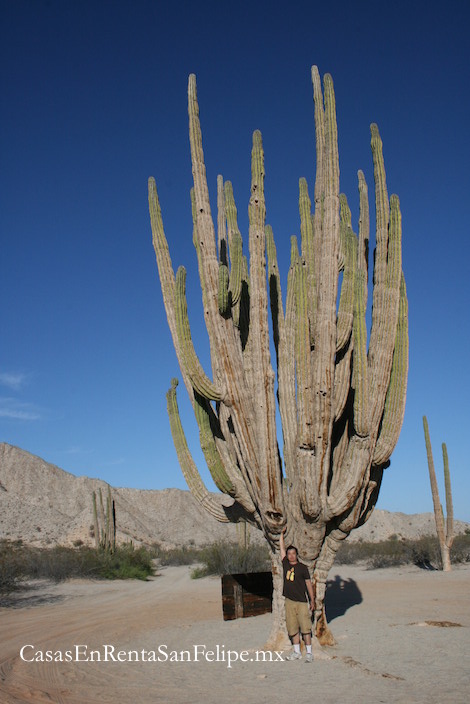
<point>246,594</point>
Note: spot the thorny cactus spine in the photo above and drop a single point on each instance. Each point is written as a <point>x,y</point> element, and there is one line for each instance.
<point>444,528</point>
<point>341,401</point>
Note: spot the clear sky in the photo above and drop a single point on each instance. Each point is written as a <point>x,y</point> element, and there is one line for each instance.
<point>93,102</point>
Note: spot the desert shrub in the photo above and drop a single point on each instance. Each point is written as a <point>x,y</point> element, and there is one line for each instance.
<point>388,558</point>
<point>223,557</point>
<point>11,571</point>
<point>350,553</point>
<point>126,562</point>
<point>423,552</point>
<point>185,555</point>
<point>181,556</point>
<point>59,563</point>
<point>460,551</point>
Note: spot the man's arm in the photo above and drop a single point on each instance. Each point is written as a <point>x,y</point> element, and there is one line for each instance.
<point>282,546</point>
<point>308,584</point>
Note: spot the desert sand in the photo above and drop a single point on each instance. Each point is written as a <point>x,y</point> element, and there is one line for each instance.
<point>389,646</point>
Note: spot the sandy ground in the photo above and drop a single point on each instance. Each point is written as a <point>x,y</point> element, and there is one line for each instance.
<point>385,651</point>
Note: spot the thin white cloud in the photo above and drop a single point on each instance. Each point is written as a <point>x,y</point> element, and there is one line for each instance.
<point>18,410</point>
<point>13,380</point>
<point>76,450</point>
<point>113,463</point>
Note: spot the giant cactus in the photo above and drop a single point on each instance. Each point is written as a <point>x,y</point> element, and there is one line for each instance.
<point>341,401</point>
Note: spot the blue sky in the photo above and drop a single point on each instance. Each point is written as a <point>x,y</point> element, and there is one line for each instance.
<point>94,102</point>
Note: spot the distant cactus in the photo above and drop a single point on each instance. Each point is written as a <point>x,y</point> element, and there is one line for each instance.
<point>341,400</point>
<point>104,523</point>
<point>444,529</point>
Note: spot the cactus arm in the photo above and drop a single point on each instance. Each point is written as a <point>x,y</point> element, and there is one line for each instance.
<point>325,323</point>
<point>342,433</point>
<point>110,522</point>
<point>224,347</point>
<point>225,474</point>
<point>396,395</point>
<point>103,521</point>
<point>304,400</point>
<point>204,287</point>
<point>193,368</point>
<point>449,504</point>
<point>275,294</point>
<point>372,494</point>
<point>166,276</point>
<point>387,277</point>
<point>223,336</point>
<point>289,388</point>
<point>113,524</point>
<point>320,147</point>
<point>203,415</point>
<point>107,542</point>
<point>95,521</point>
<point>348,242</point>
<point>319,195</point>
<point>191,474</point>
<point>250,497</point>
<point>364,226</point>
<point>360,368</point>
<point>224,297</point>
<point>308,252</point>
<point>382,210</point>
<point>349,477</point>
<point>201,191</point>
<point>203,231</point>
<point>291,310</point>
<point>303,366</point>
<point>235,245</point>
<point>285,362</point>
<point>221,222</point>
<point>244,322</point>
<point>342,378</point>
<point>345,490</point>
<point>263,393</point>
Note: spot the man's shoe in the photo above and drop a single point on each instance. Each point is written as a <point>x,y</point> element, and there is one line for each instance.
<point>309,657</point>
<point>293,656</point>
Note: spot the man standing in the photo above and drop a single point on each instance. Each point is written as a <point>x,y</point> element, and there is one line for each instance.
<point>297,583</point>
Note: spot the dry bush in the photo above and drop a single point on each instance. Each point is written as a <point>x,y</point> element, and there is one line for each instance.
<point>19,562</point>
<point>224,557</point>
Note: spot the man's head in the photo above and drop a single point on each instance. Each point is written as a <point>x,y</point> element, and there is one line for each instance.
<point>292,554</point>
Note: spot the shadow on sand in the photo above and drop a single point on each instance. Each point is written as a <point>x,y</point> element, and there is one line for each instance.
<point>341,594</point>
<point>25,596</point>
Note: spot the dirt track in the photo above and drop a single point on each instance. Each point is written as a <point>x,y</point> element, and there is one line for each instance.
<point>385,652</point>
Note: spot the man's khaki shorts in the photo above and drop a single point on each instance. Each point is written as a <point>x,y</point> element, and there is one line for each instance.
<point>297,616</point>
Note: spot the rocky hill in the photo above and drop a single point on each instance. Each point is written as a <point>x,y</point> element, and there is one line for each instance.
<point>44,505</point>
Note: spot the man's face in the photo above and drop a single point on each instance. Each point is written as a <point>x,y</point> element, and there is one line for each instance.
<point>292,556</point>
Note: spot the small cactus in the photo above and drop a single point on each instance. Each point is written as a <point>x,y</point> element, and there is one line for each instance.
<point>444,527</point>
<point>104,523</point>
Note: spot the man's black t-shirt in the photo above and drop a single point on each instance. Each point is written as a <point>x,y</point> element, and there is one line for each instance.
<point>294,580</point>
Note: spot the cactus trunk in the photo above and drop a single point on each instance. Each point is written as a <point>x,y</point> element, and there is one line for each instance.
<point>341,401</point>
